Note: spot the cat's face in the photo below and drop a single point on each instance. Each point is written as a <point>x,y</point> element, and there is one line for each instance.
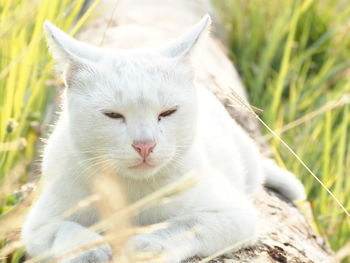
<point>141,100</point>
<point>133,111</point>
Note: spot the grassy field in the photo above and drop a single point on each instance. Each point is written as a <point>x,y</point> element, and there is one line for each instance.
<point>294,58</point>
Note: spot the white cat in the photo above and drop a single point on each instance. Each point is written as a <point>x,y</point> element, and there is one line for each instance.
<point>142,111</point>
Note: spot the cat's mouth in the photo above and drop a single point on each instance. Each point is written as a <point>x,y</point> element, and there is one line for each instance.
<point>143,165</point>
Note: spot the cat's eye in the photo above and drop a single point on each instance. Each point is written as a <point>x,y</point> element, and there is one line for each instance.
<point>114,115</point>
<point>166,113</point>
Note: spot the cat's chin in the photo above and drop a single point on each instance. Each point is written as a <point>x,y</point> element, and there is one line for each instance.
<point>142,166</point>
<point>139,171</point>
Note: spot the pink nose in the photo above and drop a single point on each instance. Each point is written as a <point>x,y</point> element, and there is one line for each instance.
<point>144,148</point>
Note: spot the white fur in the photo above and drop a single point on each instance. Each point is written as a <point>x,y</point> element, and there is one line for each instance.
<point>200,136</point>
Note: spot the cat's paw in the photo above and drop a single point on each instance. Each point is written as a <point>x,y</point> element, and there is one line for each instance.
<point>99,254</point>
<point>146,247</point>
<point>146,242</point>
<point>153,248</point>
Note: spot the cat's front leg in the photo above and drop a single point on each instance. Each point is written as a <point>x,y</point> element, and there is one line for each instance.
<point>71,236</point>
<point>64,239</point>
<point>201,233</point>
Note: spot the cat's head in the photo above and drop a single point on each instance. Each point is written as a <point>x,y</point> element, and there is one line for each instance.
<point>133,109</point>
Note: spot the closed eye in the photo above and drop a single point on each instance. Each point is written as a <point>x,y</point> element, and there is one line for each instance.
<point>166,113</point>
<point>114,115</point>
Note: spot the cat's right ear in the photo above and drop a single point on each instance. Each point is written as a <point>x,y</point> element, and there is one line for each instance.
<point>182,46</point>
<point>69,53</point>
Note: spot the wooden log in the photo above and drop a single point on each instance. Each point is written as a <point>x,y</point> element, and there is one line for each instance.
<point>285,234</point>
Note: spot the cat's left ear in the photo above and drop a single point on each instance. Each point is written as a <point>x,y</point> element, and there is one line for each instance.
<point>65,48</point>
<point>182,46</point>
<point>71,55</point>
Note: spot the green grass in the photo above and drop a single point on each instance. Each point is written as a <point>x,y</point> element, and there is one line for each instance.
<point>24,70</point>
<point>26,81</point>
<point>25,89</point>
<point>294,58</point>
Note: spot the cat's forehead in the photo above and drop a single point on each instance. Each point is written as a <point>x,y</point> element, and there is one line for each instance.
<point>146,65</point>
<point>143,80</point>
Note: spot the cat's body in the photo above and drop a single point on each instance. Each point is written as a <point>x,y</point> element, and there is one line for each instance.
<point>163,126</point>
